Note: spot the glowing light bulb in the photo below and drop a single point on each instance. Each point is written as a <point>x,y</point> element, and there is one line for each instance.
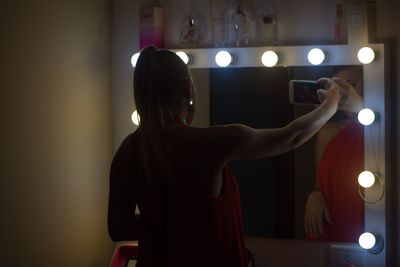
<point>366,116</point>
<point>316,56</point>
<point>135,118</point>
<point>366,55</point>
<point>183,56</point>
<point>366,179</point>
<point>223,58</point>
<point>269,58</point>
<point>367,240</point>
<point>134,59</point>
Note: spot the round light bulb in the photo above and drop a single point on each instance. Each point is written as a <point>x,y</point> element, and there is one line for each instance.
<point>366,55</point>
<point>183,56</point>
<point>366,179</point>
<point>135,118</point>
<point>134,59</point>
<point>316,56</point>
<point>367,240</point>
<point>366,116</point>
<point>223,58</point>
<point>269,58</point>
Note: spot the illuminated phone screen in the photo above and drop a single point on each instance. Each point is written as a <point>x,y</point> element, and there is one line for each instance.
<point>305,92</point>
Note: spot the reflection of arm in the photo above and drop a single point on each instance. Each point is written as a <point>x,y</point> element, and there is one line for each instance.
<point>122,222</point>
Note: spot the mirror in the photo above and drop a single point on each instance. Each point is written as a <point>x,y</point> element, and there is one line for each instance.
<point>376,158</point>
<point>274,190</point>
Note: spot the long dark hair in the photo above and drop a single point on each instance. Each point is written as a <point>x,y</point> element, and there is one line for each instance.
<point>157,86</point>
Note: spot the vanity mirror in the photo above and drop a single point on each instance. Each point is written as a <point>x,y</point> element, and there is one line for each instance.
<point>274,190</point>
<point>246,91</point>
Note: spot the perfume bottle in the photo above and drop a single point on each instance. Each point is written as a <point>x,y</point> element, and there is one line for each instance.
<point>338,24</point>
<point>268,27</point>
<point>240,25</point>
<point>189,36</point>
<point>219,29</point>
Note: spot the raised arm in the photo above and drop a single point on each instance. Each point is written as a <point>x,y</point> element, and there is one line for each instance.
<point>256,143</point>
<point>220,144</point>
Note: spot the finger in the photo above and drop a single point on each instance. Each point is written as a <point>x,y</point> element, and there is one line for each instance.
<point>310,230</point>
<point>314,227</point>
<point>321,95</point>
<point>327,81</point>
<point>320,225</point>
<point>308,227</point>
<point>327,214</point>
<point>342,83</point>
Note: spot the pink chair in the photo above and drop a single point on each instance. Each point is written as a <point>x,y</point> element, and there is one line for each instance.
<point>123,253</point>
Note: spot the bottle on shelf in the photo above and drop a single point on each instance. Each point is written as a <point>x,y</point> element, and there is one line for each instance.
<point>240,25</point>
<point>189,36</point>
<point>219,21</point>
<point>339,27</point>
<point>268,27</point>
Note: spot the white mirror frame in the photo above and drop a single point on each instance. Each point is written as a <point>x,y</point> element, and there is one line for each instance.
<point>374,98</point>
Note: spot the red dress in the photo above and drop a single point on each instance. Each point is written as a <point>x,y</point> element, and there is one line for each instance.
<point>341,163</point>
<point>197,230</point>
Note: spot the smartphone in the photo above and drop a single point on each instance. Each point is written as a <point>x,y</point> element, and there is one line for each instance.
<point>304,92</point>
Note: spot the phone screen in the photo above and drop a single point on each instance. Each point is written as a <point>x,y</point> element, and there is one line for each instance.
<point>304,92</point>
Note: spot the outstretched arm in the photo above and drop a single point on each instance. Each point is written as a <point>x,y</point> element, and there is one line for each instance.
<point>269,142</point>
<point>221,144</point>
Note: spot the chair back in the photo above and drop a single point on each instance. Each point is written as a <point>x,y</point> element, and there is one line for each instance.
<point>123,253</point>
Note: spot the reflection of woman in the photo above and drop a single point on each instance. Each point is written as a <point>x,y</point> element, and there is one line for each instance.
<point>335,212</point>
<point>188,199</point>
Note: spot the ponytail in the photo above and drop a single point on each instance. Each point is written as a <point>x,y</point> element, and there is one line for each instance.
<point>156,78</point>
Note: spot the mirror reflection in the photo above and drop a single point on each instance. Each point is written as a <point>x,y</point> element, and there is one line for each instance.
<point>309,193</point>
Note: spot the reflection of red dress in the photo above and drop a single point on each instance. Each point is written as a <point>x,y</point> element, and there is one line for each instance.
<point>341,163</point>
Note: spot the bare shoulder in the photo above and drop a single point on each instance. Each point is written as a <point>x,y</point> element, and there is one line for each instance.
<point>217,142</point>
<point>203,152</point>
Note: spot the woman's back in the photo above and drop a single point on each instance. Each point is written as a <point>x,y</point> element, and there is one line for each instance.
<point>184,225</point>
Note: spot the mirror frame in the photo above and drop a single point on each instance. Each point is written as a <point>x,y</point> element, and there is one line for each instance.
<point>375,136</point>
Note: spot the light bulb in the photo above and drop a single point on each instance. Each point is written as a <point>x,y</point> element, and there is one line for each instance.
<point>183,56</point>
<point>269,58</point>
<point>223,58</point>
<point>316,56</point>
<point>134,59</point>
<point>366,55</point>
<point>366,116</point>
<point>135,118</point>
<point>372,242</point>
<point>367,240</point>
<point>366,179</point>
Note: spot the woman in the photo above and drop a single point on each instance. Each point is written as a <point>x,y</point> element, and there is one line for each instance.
<point>188,199</point>
<point>335,211</point>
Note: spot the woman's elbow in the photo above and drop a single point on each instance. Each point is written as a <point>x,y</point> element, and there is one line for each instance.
<point>114,232</point>
<point>123,229</point>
